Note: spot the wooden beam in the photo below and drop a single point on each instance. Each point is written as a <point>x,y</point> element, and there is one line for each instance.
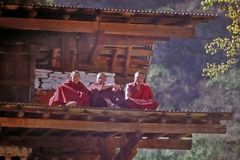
<point>148,30</point>
<point>48,132</point>
<point>24,134</point>
<point>83,142</point>
<point>52,25</point>
<point>69,134</point>
<point>131,40</point>
<point>165,143</point>
<point>141,52</point>
<point>121,127</point>
<point>40,109</point>
<point>91,27</point>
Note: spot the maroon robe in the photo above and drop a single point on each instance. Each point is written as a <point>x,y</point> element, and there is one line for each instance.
<point>70,91</point>
<point>116,97</point>
<point>142,98</point>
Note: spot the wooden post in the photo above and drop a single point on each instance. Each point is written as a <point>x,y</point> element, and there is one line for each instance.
<point>128,56</point>
<point>128,151</point>
<point>32,52</point>
<point>114,59</point>
<point>23,158</point>
<point>8,157</point>
<point>56,58</point>
<point>98,46</point>
<point>107,149</point>
<point>68,45</point>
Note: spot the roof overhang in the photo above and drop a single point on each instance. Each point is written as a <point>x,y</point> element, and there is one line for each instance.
<point>110,21</point>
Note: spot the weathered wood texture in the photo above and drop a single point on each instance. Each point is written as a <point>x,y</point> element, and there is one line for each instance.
<point>111,126</point>
<point>128,150</point>
<point>16,77</point>
<point>98,132</point>
<point>86,39</point>
<point>82,142</point>
<point>155,31</point>
<point>95,40</point>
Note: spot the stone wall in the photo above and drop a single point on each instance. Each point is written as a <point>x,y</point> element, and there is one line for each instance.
<point>49,80</point>
<point>46,82</point>
<point>13,151</point>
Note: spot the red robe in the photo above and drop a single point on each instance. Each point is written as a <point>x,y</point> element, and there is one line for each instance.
<point>70,91</point>
<point>142,98</point>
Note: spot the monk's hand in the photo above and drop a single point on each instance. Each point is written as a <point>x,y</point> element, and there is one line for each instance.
<point>116,88</point>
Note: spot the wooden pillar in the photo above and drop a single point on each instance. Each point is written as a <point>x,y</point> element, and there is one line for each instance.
<point>128,151</point>
<point>73,59</point>
<point>17,73</point>
<point>68,46</point>
<point>56,58</point>
<point>97,48</point>
<point>128,57</point>
<point>23,158</point>
<point>107,149</point>
<point>33,49</point>
<point>8,157</point>
<point>114,59</point>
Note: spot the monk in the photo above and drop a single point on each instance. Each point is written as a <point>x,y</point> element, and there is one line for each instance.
<point>105,95</point>
<point>71,92</point>
<point>138,94</point>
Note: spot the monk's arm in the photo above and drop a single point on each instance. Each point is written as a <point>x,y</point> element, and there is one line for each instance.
<point>107,86</point>
<point>127,92</point>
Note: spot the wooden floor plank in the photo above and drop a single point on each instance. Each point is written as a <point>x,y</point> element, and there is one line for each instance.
<point>111,126</point>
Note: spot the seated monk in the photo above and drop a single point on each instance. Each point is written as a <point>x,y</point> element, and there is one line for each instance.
<point>71,92</point>
<point>110,95</point>
<point>139,95</point>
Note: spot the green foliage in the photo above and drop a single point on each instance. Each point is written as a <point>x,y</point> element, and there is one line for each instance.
<point>229,46</point>
<point>154,154</point>
<point>161,80</point>
<point>217,93</point>
<point>214,147</point>
<point>220,93</point>
<point>159,76</point>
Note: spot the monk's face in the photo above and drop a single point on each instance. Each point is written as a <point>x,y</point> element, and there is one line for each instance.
<point>138,78</point>
<point>101,79</point>
<point>75,77</point>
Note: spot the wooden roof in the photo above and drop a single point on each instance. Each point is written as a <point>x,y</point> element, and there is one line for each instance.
<point>91,130</point>
<point>111,21</point>
<point>101,39</point>
<point>97,132</point>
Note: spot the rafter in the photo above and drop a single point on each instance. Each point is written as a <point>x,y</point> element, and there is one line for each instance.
<point>149,30</point>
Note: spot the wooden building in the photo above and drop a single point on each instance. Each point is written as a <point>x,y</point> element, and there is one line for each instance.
<point>88,39</point>
<point>62,39</point>
<point>93,133</point>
